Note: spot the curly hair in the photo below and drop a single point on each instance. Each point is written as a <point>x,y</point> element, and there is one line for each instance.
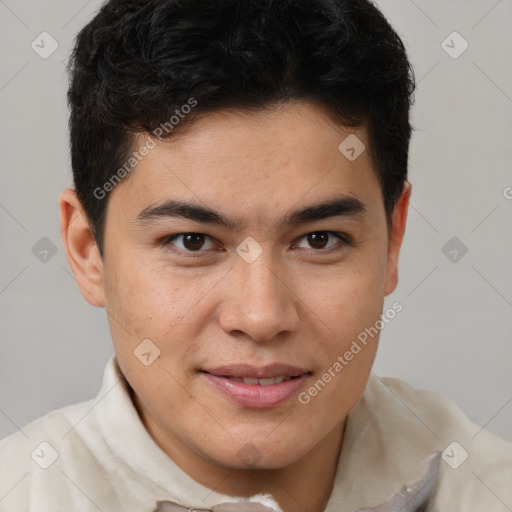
<point>139,61</point>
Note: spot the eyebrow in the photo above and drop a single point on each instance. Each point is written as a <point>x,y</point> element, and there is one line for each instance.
<point>342,206</point>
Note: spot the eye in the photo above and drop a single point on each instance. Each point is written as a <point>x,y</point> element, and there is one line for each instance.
<point>199,242</point>
<point>319,240</point>
<point>190,242</point>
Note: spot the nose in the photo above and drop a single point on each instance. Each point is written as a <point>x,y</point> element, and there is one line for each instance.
<point>259,301</point>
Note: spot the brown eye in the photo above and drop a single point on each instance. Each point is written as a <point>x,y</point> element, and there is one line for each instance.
<point>193,241</point>
<point>320,240</point>
<point>189,242</point>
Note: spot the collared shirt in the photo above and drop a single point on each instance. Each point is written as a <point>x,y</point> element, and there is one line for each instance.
<point>403,449</point>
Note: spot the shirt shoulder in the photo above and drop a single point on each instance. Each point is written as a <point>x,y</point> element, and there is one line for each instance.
<point>35,456</point>
<point>91,455</point>
<point>476,469</point>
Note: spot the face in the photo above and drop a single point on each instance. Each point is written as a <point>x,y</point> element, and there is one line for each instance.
<point>252,274</point>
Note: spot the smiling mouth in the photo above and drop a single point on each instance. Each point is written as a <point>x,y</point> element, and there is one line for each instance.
<point>257,388</point>
<point>252,380</point>
<point>251,373</point>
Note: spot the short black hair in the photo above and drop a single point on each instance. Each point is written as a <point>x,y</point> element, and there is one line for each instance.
<point>138,63</point>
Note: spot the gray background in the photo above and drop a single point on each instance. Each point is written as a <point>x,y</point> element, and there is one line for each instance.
<point>454,333</point>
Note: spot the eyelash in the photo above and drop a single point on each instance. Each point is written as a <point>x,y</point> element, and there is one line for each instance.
<point>344,238</point>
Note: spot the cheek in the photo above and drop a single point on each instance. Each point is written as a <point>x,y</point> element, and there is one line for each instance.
<point>348,297</point>
<point>151,302</point>
<point>347,347</point>
<point>347,307</point>
<point>147,297</point>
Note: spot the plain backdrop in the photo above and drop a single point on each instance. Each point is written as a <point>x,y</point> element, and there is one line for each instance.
<point>454,334</point>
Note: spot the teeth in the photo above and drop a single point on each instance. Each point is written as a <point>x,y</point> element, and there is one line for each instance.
<point>268,382</point>
<point>250,381</point>
<point>261,382</point>
<point>265,382</point>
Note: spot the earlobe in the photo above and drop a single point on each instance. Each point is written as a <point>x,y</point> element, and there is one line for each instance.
<point>396,236</point>
<point>81,249</point>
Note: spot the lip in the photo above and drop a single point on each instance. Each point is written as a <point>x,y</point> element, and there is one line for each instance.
<point>257,396</point>
<point>253,372</point>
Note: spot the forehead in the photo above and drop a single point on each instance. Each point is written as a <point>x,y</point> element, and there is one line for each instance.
<point>253,165</point>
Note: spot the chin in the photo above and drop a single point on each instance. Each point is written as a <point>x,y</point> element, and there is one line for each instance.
<point>260,454</point>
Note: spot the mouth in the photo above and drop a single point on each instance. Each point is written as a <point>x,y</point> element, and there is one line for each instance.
<point>246,371</point>
<point>257,388</point>
<point>260,382</point>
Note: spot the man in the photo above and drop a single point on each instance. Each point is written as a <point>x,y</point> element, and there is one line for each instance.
<point>241,196</point>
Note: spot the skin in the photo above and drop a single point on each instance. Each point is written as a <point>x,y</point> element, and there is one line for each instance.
<point>297,303</point>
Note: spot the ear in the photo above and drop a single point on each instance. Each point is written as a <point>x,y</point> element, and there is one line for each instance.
<point>81,249</point>
<point>396,236</point>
